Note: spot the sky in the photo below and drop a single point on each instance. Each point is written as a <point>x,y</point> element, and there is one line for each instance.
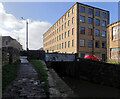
<point>41,16</point>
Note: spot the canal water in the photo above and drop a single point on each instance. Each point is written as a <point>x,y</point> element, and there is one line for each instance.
<point>87,89</point>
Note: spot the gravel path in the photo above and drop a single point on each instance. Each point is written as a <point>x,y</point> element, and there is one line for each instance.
<point>27,84</point>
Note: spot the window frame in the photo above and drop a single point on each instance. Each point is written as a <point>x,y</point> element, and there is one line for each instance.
<point>104,44</point>
<point>68,33</point>
<point>73,30</point>
<point>62,45</point>
<point>68,22</point>
<point>73,10</point>
<point>82,9</point>
<point>97,13</point>
<point>96,22</point>
<point>90,43</point>
<point>98,44</point>
<point>82,19</point>
<point>68,44</point>
<point>83,41</point>
<point>103,13</point>
<point>72,20</point>
<point>81,31</point>
<point>89,11</point>
<point>65,35</point>
<point>102,33</point>
<point>65,44</point>
<point>98,33</point>
<point>69,14</point>
<point>90,20</point>
<point>102,23</point>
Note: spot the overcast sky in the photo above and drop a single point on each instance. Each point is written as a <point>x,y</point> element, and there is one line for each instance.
<point>40,15</point>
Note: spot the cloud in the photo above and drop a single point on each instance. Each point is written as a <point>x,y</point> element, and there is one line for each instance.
<point>11,26</point>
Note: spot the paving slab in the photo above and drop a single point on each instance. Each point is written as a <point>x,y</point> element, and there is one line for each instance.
<point>26,85</point>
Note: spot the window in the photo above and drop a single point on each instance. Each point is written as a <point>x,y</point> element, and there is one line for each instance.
<point>90,43</point>
<point>82,18</point>
<point>68,14</point>
<point>97,22</point>
<point>116,33</point>
<point>115,53</point>
<point>103,44</point>
<point>62,19</point>
<point>65,24</point>
<point>89,11</point>
<point>104,15</point>
<point>97,13</point>
<point>72,31</point>
<point>62,45</point>
<point>72,10</point>
<point>59,22</point>
<point>82,30</point>
<point>69,23</point>
<point>90,20</point>
<point>68,44</point>
<point>72,43</point>
<point>103,23</point>
<point>65,44</point>
<point>62,27</point>
<point>82,43</point>
<point>82,9</point>
<point>103,33</point>
<point>73,20</point>
<point>62,35</point>
<point>59,46</point>
<point>59,29</point>
<point>65,35</point>
<point>89,31</point>
<point>97,32</point>
<point>65,17</point>
<point>97,44</point>
<point>68,33</point>
<point>59,37</point>
<point>55,31</point>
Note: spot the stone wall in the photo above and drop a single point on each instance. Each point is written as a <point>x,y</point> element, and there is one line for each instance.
<point>9,55</point>
<point>34,54</point>
<point>59,57</point>
<point>93,71</point>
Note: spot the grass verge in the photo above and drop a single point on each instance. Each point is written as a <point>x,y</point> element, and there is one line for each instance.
<point>42,73</point>
<point>9,73</point>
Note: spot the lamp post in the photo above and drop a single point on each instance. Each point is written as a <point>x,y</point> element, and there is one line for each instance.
<point>26,33</point>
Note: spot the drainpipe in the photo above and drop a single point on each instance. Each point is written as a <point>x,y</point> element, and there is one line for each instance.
<point>93,33</point>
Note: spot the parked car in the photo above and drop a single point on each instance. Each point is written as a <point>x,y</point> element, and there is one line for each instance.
<point>90,56</point>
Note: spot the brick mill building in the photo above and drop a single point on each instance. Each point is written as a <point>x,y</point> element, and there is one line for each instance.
<point>82,29</point>
<point>113,42</point>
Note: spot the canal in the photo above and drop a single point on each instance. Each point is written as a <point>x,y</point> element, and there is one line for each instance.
<point>87,89</point>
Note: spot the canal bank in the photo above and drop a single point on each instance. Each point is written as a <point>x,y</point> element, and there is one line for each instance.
<point>57,87</point>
